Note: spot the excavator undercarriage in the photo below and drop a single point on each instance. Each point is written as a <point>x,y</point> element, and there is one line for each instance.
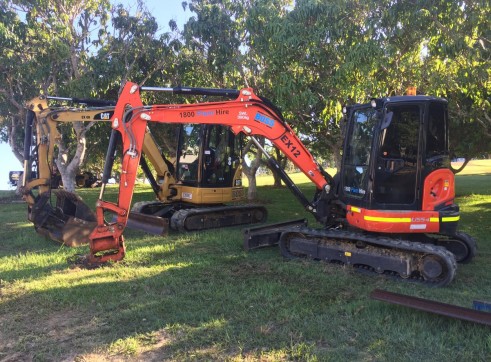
<point>182,217</point>
<point>367,252</point>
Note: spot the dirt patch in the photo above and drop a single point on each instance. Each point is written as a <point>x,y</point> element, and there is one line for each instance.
<point>59,335</point>
<point>70,335</point>
<point>155,348</point>
<point>156,351</point>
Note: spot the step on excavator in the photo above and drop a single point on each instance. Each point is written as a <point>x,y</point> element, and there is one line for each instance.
<point>390,210</point>
<point>193,190</point>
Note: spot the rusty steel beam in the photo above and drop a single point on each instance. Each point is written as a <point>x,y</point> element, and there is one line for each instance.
<point>448,310</point>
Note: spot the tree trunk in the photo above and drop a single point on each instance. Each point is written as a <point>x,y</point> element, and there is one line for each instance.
<point>252,189</point>
<point>68,178</point>
<point>282,161</point>
<point>68,170</point>
<point>14,146</point>
<point>250,171</point>
<point>277,180</point>
<point>338,159</point>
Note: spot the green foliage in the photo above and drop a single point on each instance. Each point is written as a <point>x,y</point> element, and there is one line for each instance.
<point>450,45</point>
<point>48,45</point>
<point>309,57</point>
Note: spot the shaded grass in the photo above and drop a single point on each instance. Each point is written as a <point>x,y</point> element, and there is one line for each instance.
<point>200,296</point>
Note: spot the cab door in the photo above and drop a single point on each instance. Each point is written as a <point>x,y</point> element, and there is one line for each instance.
<point>397,166</point>
<point>221,156</point>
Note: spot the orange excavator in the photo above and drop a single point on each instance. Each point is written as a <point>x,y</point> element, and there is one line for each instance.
<point>390,209</point>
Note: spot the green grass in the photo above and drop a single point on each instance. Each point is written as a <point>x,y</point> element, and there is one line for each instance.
<point>200,296</point>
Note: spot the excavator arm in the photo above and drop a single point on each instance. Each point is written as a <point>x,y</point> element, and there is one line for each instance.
<point>247,114</point>
<point>41,129</point>
<point>70,221</point>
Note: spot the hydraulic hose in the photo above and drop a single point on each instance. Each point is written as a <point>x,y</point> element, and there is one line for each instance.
<point>30,116</point>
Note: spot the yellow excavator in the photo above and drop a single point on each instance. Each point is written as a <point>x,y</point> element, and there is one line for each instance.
<point>199,182</point>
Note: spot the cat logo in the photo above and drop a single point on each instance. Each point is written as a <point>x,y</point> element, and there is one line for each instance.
<point>106,116</point>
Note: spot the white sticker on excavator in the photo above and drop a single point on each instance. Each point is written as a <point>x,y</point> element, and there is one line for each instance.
<point>187,195</point>
<point>418,226</point>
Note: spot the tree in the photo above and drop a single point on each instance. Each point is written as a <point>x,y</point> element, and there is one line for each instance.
<point>66,48</point>
<point>443,48</point>
<point>314,56</point>
<point>322,54</point>
<point>47,52</point>
<point>457,38</point>
<point>309,57</point>
<point>219,35</point>
<point>250,170</point>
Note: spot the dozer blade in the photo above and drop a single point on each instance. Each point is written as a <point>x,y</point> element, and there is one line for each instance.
<point>148,223</point>
<point>268,235</point>
<point>69,223</point>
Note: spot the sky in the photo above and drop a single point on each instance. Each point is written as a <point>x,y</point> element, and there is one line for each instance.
<point>162,10</point>
<point>8,162</point>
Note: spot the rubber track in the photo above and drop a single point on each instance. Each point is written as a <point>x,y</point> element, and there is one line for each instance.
<point>384,243</point>
<point>178,219</point>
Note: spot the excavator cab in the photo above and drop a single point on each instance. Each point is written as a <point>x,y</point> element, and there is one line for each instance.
<point>396,159</point>
<point>209,156</point>
<point>202,168</point>
<point>391,146</point>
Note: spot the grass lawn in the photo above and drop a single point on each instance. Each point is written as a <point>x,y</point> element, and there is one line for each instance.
<point>200,296</point>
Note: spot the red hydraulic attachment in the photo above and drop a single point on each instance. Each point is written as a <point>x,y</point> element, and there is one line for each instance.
<point>247,114</point>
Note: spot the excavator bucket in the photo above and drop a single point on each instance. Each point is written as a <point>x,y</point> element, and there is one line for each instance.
<point>70,222</point>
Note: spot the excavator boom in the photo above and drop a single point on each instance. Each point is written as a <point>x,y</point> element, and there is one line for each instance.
<point>247,114</point>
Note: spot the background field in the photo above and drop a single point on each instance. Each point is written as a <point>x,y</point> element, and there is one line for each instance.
<point>200,296</point>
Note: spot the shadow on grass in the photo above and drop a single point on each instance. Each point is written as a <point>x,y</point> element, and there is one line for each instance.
<point>473,184</point>
<point>218,304</point>
<point>201,297</point>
